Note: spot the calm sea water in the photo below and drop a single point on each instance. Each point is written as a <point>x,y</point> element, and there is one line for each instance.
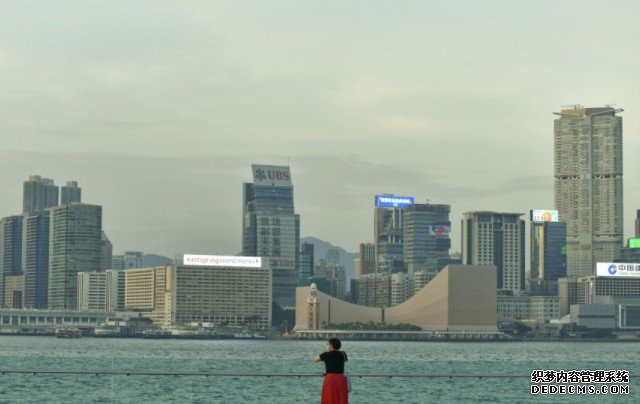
<point>295,356</point>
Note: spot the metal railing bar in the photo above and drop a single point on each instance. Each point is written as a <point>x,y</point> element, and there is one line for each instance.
<point>255,374</point>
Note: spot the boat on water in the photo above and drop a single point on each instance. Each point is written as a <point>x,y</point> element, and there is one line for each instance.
<point>68,333</point>
<point>247,335</point>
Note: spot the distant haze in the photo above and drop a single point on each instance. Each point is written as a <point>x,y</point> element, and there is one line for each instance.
<point>159,108</point>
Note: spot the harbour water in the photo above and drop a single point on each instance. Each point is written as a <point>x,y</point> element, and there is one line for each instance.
<point>516,358</point>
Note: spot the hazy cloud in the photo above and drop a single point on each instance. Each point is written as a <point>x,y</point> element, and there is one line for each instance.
<point>159,108</point>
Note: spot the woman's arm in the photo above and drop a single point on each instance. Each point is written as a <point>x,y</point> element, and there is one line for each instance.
<point>317,358</point>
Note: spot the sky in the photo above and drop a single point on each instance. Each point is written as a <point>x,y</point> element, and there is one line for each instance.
<point>159,108</point>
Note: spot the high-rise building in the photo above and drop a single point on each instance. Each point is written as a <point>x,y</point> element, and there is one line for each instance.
<point>10,250</point>
<point>271,228</point>
<point>117,262</point>
<point>588,185</point>
<point>115,284</point>
<point>74,246</point>
<point>425,232</point>
<point>401,288</point>
<point>491,238</point>
<point>638,224</point>
<point>307,262</point>
<point>338,281</point>
<point>570,292</point>
<point>106,253</point>
<point>366,261</point>
<point>35,258</point>
<point>14,292</point>
<point>182,294</point>
<point>630,253</point>
<point>421,278</point>
<point>305,266</point>
<point>92,291</point>
<point>127,260</point>
<point>333,255</point>
<point>335,274</point>
<point>39,194</point>
<point>388,232</point>
<point>71,193</point>
<point>133,259</point>
<point>374,290</point>
<point>548,257</point>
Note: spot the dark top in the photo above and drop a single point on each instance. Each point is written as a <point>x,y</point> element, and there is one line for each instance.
<point>334,361</point>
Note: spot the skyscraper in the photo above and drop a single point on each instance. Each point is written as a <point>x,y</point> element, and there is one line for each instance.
<point>106,252</point>
<point>74,246</point>
<point>133,259</point>
<point>588,185</point>
<point>388,231</point>
<point>491,238</point>
<point>366,261</point>
<point>71,193</point>
<point>271,228</point>
<point>548,257</point>
<point>425,236</point>
<point>305,265</point>
<point>115,289</point>
<point>39,194</point>
<point>333,255</point>
<point>638,224</point>
<point>10,250</point>
<point>35,258</point>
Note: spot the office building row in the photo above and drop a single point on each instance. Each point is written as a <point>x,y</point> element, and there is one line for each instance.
<point>408,237</point>
<point>48,249</point>
<point>43,250</point>
<point>526,308</point>
<point>598,290</point>
<point>39,194</point>
<point>387,290</point>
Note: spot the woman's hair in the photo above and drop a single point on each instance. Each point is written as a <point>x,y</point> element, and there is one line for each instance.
<point>335,343</point>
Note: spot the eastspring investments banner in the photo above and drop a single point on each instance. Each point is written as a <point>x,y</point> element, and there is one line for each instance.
<point>221,261</point>
<point>618,270</point>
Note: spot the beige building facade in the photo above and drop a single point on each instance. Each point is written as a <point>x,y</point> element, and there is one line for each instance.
<point>173,295</point>
<point>14,296</point>
<point>459,298</point>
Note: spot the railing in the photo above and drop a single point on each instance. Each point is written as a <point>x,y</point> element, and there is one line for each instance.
<point>258,374</point>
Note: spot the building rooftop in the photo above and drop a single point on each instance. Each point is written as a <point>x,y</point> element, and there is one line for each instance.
<point>579,110</point>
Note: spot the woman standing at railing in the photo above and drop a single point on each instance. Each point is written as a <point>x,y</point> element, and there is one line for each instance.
<point>334,388</point>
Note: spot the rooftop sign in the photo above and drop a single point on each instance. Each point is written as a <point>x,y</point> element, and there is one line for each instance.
<point>221,261</point>
<point>393,201</point>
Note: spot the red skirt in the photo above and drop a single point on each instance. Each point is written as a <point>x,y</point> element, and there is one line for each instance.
<point>334,389</point>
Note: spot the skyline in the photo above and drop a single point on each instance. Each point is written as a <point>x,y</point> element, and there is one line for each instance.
<point>159,115</point>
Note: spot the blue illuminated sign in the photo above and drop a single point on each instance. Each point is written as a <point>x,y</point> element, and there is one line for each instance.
<point>393,201</point>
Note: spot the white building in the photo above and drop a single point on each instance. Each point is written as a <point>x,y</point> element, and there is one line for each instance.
<point>401,288</point>
<point>115,289</point>
<point>491,238</point>
<point>92,290</point>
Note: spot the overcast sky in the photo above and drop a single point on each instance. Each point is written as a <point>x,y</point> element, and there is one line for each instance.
<point>159,108</point>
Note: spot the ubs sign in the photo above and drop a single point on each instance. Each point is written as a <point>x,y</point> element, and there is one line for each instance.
<point>271,175</point>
